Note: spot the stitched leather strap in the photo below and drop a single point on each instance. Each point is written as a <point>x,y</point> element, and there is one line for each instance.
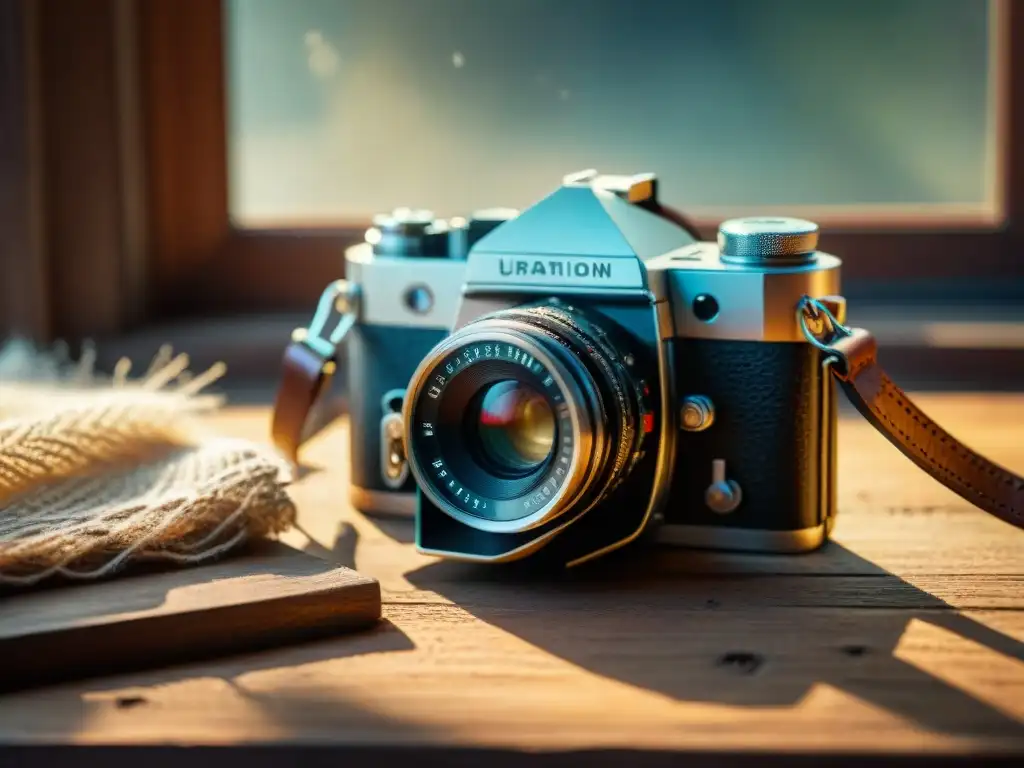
<point>304,376</point>
<point>309,363</point>
<point>887,407</point>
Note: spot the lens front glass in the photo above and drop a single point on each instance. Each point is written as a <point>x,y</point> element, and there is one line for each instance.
<point>513,426</point>
<point>491,433</point>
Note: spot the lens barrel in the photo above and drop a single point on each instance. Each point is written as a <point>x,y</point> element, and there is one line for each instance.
<point>522,416</point>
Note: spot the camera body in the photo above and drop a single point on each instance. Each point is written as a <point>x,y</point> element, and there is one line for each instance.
<point>754,457</point>
<point>609,376</point>
<point>405,280</point>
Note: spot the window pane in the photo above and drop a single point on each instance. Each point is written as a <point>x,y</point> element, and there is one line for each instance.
<point>342,108</point>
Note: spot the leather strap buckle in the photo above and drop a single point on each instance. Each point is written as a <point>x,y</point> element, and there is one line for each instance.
<point>850,349</point>
<point>309,364</point>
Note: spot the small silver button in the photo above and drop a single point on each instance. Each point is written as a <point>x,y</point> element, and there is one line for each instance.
<point>698,413</point>
<point>419,299</point>
<point>723,495</point>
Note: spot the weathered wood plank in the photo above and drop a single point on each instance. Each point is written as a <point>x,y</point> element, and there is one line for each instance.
<point>905,636</point>
<point>811,679</point>
<point>726,592</point>
<point>272,594</point>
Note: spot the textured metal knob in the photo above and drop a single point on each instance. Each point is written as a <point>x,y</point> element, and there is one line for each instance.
<point>767,240</point>
<point>400,233</point>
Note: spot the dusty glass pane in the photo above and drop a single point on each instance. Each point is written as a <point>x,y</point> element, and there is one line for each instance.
<point>341,108</point>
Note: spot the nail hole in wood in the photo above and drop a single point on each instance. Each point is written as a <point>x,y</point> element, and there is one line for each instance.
<point>855,650</point>
<point>742,662</point>
<point>127,702</point>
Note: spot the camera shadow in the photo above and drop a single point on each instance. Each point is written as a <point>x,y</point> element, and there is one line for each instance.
<point>727,629</point>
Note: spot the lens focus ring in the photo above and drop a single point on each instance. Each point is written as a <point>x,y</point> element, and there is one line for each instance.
<point>519,417</point>
<point>592,341</point>
<point>442,455</point>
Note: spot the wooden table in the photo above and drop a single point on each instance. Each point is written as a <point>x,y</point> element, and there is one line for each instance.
<point>905,636</point>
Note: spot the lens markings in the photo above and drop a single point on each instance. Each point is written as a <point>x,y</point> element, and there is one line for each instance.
<point>462,359</point>
<point>442,472</point>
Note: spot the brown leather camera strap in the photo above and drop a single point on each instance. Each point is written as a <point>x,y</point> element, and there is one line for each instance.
<point>308,366</point>
<point>887,407</point>
<point>304,376</point>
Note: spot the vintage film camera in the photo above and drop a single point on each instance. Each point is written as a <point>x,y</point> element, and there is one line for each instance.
<point>569,379</point>
<point>608,374</point>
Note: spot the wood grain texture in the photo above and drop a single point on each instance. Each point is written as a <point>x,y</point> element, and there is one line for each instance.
<point>186,142</point>
<point>272,594</point>
<point>904,637</point>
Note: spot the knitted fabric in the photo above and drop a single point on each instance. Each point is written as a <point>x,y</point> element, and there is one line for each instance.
<point>97,472</point>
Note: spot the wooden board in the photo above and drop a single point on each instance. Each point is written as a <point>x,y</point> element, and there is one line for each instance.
<point>903,638</point>
<point>273,594</point>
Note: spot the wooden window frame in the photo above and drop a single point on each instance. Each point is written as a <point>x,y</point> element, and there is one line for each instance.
<point>73,249</point>
<point>114,184</point>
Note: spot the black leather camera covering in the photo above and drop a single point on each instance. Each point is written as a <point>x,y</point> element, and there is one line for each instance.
<point>767,427</point>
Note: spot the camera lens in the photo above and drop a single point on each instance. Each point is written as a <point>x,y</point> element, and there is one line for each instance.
<point>522,416</point>
<point>514,427</point>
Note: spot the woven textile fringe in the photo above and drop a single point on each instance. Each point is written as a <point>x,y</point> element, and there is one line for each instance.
<point>97,472</point>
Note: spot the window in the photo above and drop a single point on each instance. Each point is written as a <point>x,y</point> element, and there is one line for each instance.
<point>842,110</point>
<point>223,153</point>
<point>330,110</point>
